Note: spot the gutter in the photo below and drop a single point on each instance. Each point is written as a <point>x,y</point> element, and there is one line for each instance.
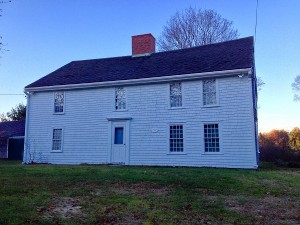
<point>152,80</point>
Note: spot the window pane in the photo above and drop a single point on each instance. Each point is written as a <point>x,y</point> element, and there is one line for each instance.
<point>120,95</point>
<point>175,95</point>
<point>176,138</point>
<point>58,102</point>
<point>209,92</point>
<point>211,138</point>
<point>56,139</point>
<point>118,135</point>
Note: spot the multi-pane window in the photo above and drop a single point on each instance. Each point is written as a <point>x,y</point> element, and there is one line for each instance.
<point>176,138</point>
<point>175,95</point>
<point>211,138</point>
<point>120,94</point>
<point>57,140</point>
<point>58,102</point>
<point>209,92</point>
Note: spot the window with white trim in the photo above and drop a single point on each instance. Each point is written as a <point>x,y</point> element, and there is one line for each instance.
<point>209,92</point>
<point>211,137</point>
<point>120,98</point>
<point>175,95</point>
<point>59,99</point>
<point>57,140</point>
<point>176,138</point>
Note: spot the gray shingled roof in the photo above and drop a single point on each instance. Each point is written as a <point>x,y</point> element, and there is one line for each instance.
<point>12,128</point>
<point>236,54</point>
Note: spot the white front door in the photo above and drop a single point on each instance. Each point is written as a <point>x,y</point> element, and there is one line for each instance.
<point>119,143</point>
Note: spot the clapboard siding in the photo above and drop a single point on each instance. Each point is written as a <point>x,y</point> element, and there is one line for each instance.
<point>86,130</point>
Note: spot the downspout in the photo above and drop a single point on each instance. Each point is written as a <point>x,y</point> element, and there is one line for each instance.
<point>254,99</point>
<point>25,156</point>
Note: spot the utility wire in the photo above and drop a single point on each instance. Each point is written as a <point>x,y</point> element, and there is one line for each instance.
<point>255,21</point>
<point>12,94</point>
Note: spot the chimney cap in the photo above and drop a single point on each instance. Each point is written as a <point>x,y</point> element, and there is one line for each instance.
<point>140,35</point>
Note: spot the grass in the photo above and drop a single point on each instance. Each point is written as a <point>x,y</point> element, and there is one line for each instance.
<point>49,194</point>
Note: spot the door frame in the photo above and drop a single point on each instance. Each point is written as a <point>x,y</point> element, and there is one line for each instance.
<point>111,122</point>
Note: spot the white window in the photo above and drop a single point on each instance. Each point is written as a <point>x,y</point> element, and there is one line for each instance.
<point>59,99</point>
<point>211,137</point>
<point>175,95</point>
<point>57,140</point>
<point>209,92</point>
<point>120,94</point>
<point>176,138</point>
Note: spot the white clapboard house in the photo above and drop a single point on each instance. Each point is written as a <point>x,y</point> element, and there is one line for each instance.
<point>188,107</point>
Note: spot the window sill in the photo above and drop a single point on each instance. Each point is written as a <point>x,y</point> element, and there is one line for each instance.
<point>56,151</point>
<point>176,153</point>
<point>121,110</point>
<point>210,106</point>
<point>174,108</point>
<point>61,113</point>
<point>212,153</point>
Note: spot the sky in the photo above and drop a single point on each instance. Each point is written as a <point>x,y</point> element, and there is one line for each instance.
<point>43,35</point>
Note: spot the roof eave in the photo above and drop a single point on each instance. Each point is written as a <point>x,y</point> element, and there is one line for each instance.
<point>193,76</point>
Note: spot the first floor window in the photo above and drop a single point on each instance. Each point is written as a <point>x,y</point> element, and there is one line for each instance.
<point>209,92</point>
<point>211,137</point>
<point>120,95</point>
<point>57,140</point>
<point>175,95</point>
<point>58,102</point>
<point>176,138</point>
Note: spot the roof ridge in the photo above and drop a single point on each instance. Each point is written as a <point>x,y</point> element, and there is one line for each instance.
<point>216,43</point>
<point>175,50</point>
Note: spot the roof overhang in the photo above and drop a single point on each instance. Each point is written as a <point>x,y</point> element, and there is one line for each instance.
<point>182,77</point>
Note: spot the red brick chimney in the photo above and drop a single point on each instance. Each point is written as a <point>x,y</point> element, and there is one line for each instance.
<point>143,44</point>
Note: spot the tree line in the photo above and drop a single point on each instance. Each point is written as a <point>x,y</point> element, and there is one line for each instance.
<point>15,114</point>
<point>281,147</point>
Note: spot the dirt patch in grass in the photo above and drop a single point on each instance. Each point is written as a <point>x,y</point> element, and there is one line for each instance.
<point>267,210</point>
<point>140,189</point>
<point>64,207</point>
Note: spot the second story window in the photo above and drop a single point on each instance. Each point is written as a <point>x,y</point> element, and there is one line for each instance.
<point>59,99</point>
<point>175,95</point>
<point>120,100</point>
<point>209,92</point>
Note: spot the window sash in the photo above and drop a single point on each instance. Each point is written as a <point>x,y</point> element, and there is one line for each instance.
<point>120,98</point>
<point>211,138</point>
<point>175,95</point>
<point>57,140</point>
<point>59,99</point>
<point>209,92</point>
<point>176,138</point>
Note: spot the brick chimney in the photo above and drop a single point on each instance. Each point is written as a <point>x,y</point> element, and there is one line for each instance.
<point>143,44</point>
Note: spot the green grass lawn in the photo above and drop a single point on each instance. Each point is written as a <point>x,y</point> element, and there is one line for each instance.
<point>49,194</point>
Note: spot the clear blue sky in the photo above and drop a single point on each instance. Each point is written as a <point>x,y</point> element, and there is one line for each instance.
<point>43,35</point>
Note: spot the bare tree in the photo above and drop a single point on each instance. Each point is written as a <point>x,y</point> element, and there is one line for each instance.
<point>194,27</point>
<point>296,88</point>
<point>1,43</point>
